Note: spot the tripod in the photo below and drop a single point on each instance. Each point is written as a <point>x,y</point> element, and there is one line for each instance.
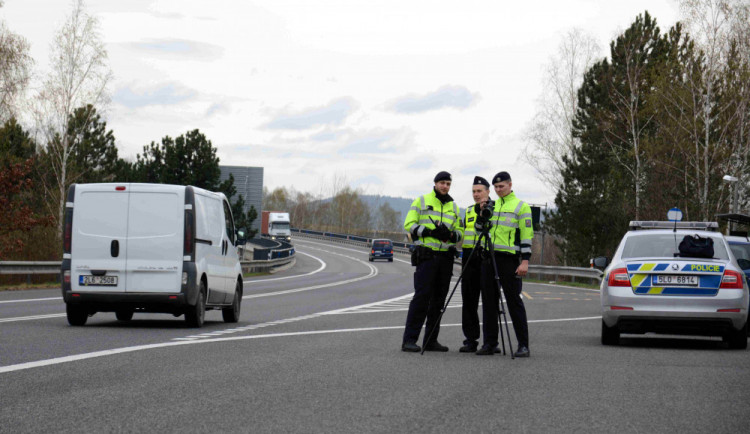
<point>489,249</point>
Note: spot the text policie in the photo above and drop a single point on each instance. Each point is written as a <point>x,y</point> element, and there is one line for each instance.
<point>496,241</point>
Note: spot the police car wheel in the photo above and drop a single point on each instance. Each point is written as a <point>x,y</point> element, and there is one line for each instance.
<point>737,339</point>
<point>610,335</point>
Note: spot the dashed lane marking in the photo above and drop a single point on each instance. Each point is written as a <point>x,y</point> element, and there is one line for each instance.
<point>33,317</point>
<point>30,299</point>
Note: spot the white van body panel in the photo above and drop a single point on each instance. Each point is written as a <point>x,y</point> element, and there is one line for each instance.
<point>101,217</point>
<point>147,220</point>
<point>156,221</point>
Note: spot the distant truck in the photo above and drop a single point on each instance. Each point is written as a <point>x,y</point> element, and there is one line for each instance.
<point>275,225</point>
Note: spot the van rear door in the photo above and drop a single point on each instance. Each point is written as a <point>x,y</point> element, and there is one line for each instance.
<point>155,238</point>
<point>99,238</point>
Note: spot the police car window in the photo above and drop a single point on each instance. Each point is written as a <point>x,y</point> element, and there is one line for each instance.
<point>662,246</point>
<point>740,251</point>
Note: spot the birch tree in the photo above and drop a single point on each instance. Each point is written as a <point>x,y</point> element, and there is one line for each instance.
<point>549,135</point>
<point>15,70</point>
<point>719,94</point>
<point>78,77</point>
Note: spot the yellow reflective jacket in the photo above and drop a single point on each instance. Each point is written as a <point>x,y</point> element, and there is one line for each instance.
<point>512,229</point>
<point>469,233</point>
<point>428,209</point>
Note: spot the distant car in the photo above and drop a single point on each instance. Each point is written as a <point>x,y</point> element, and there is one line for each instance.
<point>740,247</point>
<point>381,249</point>
<point>650,286</point>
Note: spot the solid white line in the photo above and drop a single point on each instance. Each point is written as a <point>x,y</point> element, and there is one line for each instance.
<point>27,318</point>
<point>95,354</point>
<point>30,299</point>
<point>322,267</point>
<point>373,273</point>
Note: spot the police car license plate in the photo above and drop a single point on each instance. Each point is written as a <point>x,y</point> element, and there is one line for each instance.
<point>675,279</point>
<point>87,280</point>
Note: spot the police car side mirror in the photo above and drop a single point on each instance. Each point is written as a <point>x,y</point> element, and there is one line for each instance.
<point>601,262</point>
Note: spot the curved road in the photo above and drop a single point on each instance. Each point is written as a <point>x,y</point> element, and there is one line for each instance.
<point>317,350</point>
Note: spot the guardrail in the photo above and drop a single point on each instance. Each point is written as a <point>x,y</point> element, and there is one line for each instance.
<point>591,274</point>
<point>264,259</point>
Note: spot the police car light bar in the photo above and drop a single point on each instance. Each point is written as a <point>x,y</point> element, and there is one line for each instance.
<point>648,224</point>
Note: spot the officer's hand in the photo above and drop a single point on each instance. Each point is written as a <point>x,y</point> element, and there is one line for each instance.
<point>442,232</point>
<point>454,237</point>
<point>523,269</point>
<point>427,232</point>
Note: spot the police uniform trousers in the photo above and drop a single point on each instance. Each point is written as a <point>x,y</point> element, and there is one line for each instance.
<point>506,268</point>
<point>470,291</point>
<point>432,279</point>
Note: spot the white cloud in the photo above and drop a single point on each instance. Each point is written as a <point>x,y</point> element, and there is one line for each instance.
<point>447,96</point>
<point>333,113</point>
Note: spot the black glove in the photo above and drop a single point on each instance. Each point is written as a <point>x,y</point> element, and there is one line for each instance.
<point>454,237</point>
<point>442,232</point>
<point>427,232</point>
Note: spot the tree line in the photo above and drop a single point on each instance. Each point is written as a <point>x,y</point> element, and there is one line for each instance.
<point>337,208</point>
<point>656,124</point>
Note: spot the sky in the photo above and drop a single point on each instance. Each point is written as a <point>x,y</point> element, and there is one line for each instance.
<point>378,95</point>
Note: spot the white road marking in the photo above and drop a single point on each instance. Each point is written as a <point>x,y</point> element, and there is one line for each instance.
<point>323,265</point>
<point>27,318</point>
<point>95,354</point>
<point>30,299</point>
<point>373,273</point>
<point>354,250</point>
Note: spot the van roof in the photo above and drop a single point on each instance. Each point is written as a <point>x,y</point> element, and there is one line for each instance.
<point>152,186</point>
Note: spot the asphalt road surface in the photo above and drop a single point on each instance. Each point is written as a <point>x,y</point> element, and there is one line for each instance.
<point>317,349</point>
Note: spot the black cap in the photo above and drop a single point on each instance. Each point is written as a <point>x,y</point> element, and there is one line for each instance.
<point>478,180</point>
<point>442,176</point>
<point>501,176</point>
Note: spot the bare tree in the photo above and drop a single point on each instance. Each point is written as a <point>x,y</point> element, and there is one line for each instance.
<point>79,76</point>
<point>15,70</point>
<point>718,27</point>
<point>549,135</point>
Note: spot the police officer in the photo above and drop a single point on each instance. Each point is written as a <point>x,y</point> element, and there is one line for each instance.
<point>511,234</point>
<point>472,265</point>
<point>432,222</point>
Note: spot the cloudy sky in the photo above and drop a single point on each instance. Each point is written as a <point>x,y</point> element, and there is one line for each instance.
<point>382,94</point>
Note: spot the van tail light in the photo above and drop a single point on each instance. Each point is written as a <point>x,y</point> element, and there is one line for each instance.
<point>731,280</point>
<point>189,236</point>
<point>373,251</point>
<point>68,230</point>
<point>619,277</point>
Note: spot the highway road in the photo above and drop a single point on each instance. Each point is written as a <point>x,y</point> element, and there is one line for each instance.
<point>317,349</point>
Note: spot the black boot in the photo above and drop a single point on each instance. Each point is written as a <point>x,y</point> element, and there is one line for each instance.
<point>435,346</point>
<point>410,347</point>
<point>486,350</point>
<point>523,351</point>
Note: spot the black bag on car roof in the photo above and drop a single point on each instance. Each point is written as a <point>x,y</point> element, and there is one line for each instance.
<point>695,246</point>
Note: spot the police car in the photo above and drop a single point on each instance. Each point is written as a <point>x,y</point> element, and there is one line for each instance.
<point>651,287</point>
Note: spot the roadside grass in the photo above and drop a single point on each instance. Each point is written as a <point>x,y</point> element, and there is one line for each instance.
<point>259,273</point>
<point>25,286</point>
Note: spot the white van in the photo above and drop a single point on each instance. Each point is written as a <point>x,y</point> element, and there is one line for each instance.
<point>149,248</point>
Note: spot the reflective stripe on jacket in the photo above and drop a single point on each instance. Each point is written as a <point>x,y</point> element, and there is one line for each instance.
<point>512,229</point>
<point>467,227</point>
<point>428,209</point>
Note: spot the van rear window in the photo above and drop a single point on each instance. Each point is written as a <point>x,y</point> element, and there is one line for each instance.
<point>154,214</point>
<point>381,244</point>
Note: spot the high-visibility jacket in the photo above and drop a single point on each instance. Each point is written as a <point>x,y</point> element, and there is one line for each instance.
<point>469,233</point>
<point>428,209</point>
<point>512,229</point>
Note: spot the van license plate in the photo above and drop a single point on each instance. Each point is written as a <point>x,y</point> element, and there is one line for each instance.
<point>97,280</point>
<point>675,279</point>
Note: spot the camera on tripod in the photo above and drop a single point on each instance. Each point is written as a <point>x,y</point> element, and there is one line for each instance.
<point>484,214</point>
